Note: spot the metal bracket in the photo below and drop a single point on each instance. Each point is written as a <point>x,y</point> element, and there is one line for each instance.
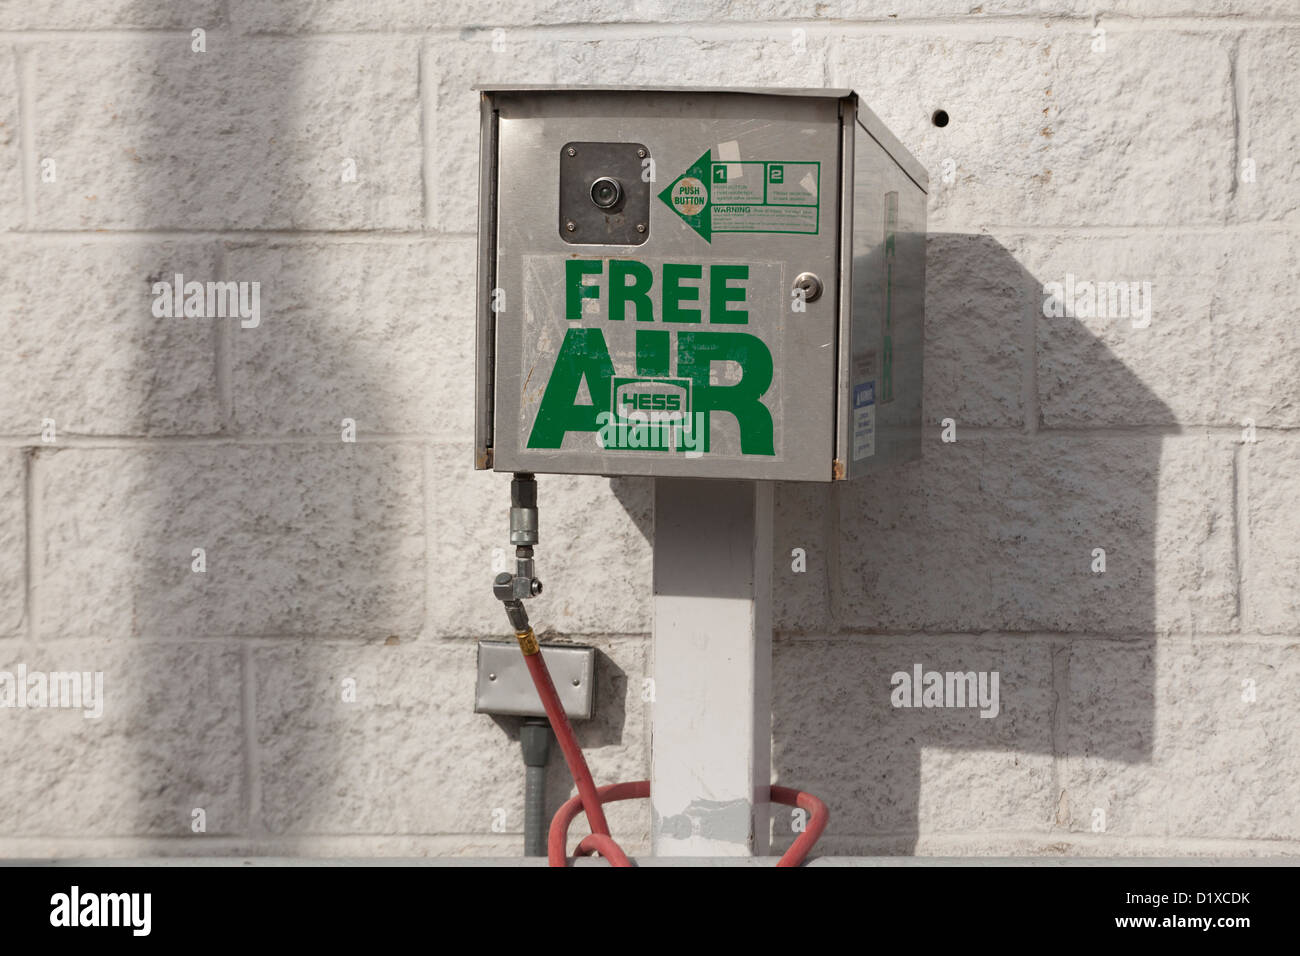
<point>504,685</point>
<point>603,198</point>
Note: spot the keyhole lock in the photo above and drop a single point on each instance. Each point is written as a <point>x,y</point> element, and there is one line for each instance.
<point>809,285</point>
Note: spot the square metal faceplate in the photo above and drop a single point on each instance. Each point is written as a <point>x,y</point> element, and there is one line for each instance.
<point>504,685</point>
<point>603,199</point>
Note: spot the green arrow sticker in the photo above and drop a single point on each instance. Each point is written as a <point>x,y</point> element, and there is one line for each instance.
<point>747,196</point>
<point>688,196</point>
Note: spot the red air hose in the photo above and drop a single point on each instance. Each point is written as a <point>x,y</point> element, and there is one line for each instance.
<point>590,798</point>
<point>567,739</point>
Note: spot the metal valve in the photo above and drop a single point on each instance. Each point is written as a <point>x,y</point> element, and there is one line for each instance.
<point>513,589</point>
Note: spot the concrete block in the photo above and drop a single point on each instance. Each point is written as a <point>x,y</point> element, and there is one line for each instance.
<point>887,770</point>
<point>379,332</point>
<point>88,351</point>
<point>1043,130</point>
<point>251,134</point>
<point>168,741</point>
<point>315,540</point>
<point>1217,765</point>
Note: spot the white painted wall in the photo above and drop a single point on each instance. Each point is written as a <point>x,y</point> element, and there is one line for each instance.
<point>1121,694</point>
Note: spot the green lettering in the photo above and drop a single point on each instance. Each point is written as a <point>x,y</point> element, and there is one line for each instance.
<point>697,351</point>
<point>638,293</point>
<point>582,354</point>
<point>720,294</point>
<point>652,353</point>
<point>675,293</point>
<point>574,288</point>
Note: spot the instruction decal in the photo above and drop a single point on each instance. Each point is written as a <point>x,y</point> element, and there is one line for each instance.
<point>864,421</point>
<point>751,196</point>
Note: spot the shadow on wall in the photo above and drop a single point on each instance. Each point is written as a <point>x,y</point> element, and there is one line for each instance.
<point>312,521</point>
<point>979,557</point>
<point>302,695</point>
<point>310,542</point>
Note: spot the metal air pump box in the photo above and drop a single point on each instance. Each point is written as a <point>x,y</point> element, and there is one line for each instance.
<point>696,283</point>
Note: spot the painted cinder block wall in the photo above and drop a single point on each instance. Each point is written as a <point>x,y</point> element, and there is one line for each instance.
<point>1149,709</point>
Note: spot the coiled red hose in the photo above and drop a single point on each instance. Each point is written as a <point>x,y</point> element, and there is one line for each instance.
<point>590,799</point>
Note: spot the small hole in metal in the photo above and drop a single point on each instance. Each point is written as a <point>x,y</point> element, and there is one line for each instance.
<point>939,118</point>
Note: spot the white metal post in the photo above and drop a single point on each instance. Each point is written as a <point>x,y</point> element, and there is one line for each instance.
<point>711,752</point>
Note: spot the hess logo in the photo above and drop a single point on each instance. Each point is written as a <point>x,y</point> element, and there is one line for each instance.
<point>652,399</point>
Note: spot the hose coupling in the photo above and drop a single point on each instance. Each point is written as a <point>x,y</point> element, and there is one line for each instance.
<point>527,642</point>
<point>523,510</point>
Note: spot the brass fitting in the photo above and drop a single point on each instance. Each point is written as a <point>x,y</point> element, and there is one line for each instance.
<point>527,642</point>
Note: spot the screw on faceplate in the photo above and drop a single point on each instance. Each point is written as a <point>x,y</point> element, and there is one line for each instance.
<point>641,153</point>
<point>576,682</point>
<point>640,227</point>
<point>571,151</point>
<point>571,225</point>
<point>492,676</point>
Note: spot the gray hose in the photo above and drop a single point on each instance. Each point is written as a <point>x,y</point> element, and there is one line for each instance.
<point>535,812</point>
<point>535,740</point>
